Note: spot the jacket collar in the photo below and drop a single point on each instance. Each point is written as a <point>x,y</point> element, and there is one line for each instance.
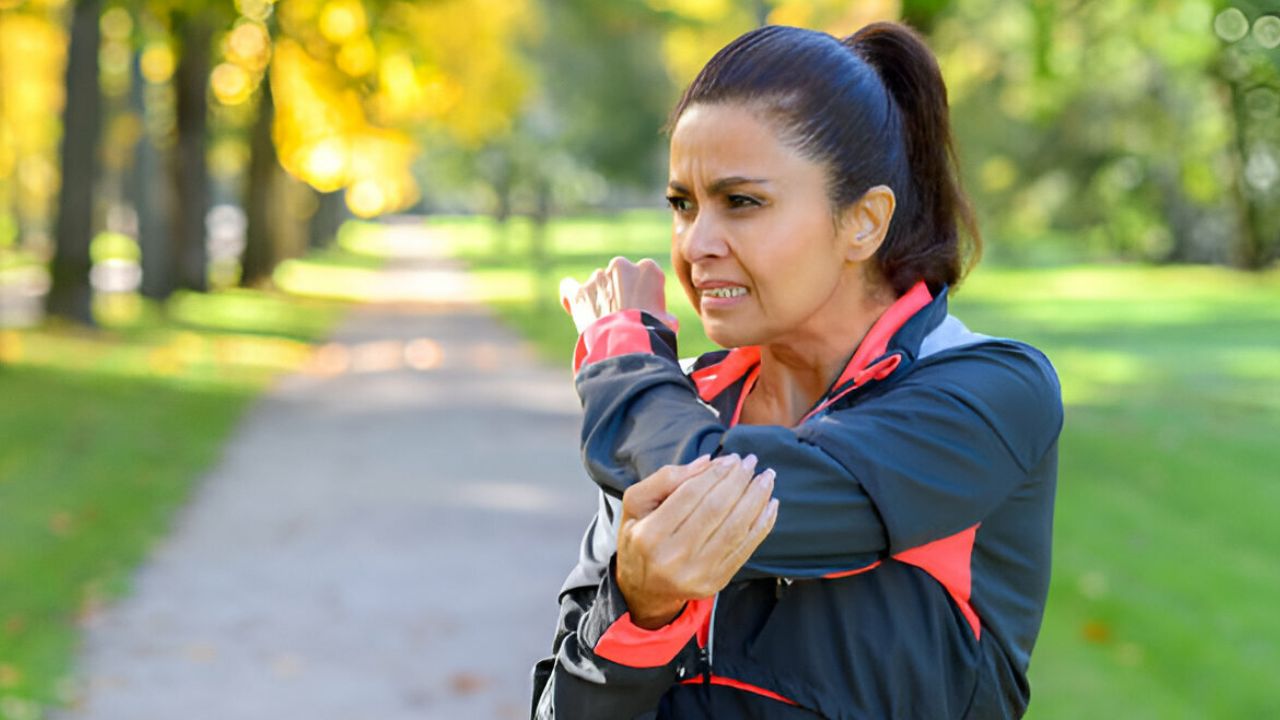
<point>894,338</point>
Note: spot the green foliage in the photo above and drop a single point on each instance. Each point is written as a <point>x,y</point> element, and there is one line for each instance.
<point>1111,123</point>
<point>1161,603</point>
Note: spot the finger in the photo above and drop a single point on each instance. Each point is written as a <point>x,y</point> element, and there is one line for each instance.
<point>760,529</point>
<point>670,516</point>
<point>568,291</point>
<point>738,525</point>
<point>642,498</point>
<point>717,504</point>
<point>595,293</point>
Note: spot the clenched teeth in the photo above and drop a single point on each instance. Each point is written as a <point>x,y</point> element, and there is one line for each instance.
<point>725,292</point>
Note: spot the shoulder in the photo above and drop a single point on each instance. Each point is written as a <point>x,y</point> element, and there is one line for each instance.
<point>992,395</point>
<point>1010,385</point>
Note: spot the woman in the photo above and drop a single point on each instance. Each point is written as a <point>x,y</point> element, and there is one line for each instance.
<point>899,565</point>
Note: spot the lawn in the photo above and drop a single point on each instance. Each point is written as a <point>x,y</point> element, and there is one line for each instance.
<point>102,434</point>
<point>1165,579</point>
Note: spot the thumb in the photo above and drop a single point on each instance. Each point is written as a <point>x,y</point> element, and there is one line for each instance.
<point>568,289</point>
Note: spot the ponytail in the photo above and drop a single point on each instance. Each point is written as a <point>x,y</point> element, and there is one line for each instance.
<point>933,249</point>
<point>873,109</point>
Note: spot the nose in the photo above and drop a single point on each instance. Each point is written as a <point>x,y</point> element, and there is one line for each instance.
<point>703,238</point>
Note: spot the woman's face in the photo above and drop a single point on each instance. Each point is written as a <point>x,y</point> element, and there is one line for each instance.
<point>754,242</point>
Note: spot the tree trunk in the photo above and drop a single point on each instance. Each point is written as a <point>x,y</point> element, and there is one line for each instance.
<point>539,249</point>
<point>70,295</point>
<point>152,199</point>
<point>259,250</point>
<point>331,212</point>
<point>191,174</point>
<point>1248,251</point>
<point>502,212</point>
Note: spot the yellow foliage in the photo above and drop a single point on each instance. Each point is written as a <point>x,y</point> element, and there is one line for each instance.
<point>342,20</point>
<point>838,17</point>
<point>32,59</point>
<point>712,24</point>
<point>358,57</point>
<point>469,79</point>
<point>323,137</point>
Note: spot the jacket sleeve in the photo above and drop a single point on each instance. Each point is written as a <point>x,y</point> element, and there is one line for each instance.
<point>928,458</point>
<point>603,666</point>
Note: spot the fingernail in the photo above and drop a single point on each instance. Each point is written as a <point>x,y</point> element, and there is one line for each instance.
<point>773,506</point>
<point>766,479</point>
<point>724,462</point>
<point>750,462</point>
<point>702,459</point>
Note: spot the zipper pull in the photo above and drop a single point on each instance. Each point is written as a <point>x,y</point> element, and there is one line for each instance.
<point>704,662</point>
<point>780,588</point>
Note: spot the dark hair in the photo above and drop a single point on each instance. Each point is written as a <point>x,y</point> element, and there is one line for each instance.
<point>873,108</point>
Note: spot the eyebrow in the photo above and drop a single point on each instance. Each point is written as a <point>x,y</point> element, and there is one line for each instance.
<point>722,184</point>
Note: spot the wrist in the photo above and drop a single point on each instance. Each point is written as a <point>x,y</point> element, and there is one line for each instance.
<point>654,616</point>
<point>647,610</point>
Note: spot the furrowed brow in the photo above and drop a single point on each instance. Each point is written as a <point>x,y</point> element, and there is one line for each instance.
<point>720,185</point>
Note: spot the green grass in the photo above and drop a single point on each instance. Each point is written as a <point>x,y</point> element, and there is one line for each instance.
<point>101,435</point>
<point>1166,576</point>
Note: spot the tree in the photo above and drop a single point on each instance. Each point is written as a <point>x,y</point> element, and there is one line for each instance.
<point>194,31</point>
<point>70,295</point>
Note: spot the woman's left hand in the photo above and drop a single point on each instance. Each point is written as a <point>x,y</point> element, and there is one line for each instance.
<point>623,285</point>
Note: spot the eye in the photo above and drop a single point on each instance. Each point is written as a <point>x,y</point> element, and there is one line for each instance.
<point>743,201</point>
<point>679,203</point>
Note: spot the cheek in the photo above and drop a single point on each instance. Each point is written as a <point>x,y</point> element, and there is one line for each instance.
<point>680,267</point>
<point>799,271</point>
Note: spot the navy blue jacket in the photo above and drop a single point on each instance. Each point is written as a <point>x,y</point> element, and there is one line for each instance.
<point>908,568</point>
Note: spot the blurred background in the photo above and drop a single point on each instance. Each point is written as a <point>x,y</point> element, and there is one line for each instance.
<point>194,193</point>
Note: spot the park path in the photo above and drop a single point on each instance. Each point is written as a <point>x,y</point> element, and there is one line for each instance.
<point>377,542</point>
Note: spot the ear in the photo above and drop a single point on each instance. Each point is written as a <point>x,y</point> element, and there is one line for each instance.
<point>865,223</point>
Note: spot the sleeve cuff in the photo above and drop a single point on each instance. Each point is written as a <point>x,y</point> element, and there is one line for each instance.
<point>622,333</point>
<point>619,640</point>
<point>628,644</point>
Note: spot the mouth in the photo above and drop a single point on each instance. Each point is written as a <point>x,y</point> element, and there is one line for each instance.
<point>723,292</point>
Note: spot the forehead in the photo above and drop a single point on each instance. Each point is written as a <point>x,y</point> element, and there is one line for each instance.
<point>720,140</point>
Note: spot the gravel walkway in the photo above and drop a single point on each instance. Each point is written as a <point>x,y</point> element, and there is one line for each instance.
<point>382,539</point>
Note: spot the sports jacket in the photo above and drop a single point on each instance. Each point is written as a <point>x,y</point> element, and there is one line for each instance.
<point>907,571</point>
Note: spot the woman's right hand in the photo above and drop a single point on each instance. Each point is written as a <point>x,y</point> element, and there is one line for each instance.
<point>686,530</point>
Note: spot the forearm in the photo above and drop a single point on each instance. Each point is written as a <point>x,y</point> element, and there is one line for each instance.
<point>640,413</point>
<point>604,668</point>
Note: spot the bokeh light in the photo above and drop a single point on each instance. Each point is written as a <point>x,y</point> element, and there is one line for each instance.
<point>1231,24</point>
<point>341,20</point>
<point>326,164</point>
<point>1266,30</point>
<point>157,62</point>
<point>231,84</point>
<point>249,45</point>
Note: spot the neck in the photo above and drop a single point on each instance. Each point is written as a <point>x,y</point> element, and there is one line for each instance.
<point>796,372</point>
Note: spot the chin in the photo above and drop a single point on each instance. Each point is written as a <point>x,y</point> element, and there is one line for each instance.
<point>725,335</point>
